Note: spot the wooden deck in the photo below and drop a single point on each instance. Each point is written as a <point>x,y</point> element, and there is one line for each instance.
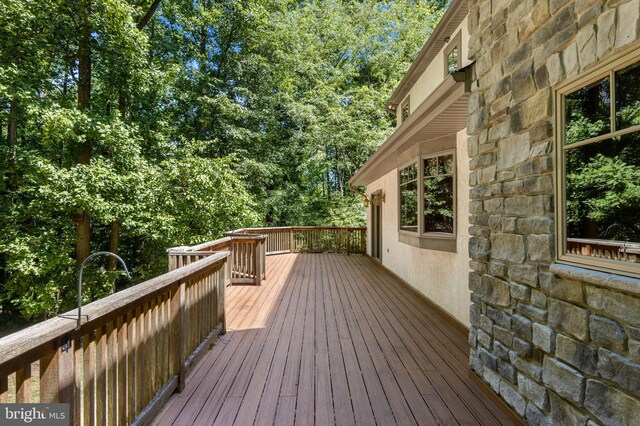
<point>332,339</point>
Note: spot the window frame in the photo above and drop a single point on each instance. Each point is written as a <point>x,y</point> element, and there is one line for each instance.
<point>605,69</point>
<point>420,211</point>
<point>454,42</point>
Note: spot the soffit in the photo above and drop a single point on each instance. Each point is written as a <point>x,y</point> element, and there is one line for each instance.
<point>443,113</point>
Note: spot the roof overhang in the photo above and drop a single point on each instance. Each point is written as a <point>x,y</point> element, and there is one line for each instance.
<point>444,112</point>
<point>455,14</point>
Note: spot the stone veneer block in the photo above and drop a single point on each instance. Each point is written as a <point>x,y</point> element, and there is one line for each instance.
<point>606,32</point>
<point>529,368</point>
<point>627,28</point>
<point>581,356</point>
<point>533,391</point>
<point>508,247</point>
<point>563,413</point>
<point>540,248</point>
<point>569,318</point>
<point>513,151</point>
<point>544,337</point>
<point>565,380</point>
<point>619,369</point>
<point>513,397</point>
<point>621,306</point>
<point>611,406</point>
<point>495,291</point>
<point>608,333</point>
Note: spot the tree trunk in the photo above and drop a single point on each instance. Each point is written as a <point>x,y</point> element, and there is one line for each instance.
<point>83,152</point>
<point>114,245</point>
<point>114,233</point>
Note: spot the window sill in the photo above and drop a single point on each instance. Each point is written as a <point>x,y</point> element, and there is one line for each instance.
<point>438,243</point>
<point>603,279</point>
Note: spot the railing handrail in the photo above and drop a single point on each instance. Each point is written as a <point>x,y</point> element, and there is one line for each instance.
<point>36,336</point>
<point>286,228</point>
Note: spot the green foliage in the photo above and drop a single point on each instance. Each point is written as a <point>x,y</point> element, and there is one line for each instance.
<point>217,115</point>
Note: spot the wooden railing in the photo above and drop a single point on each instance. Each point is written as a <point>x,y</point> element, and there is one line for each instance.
<point>247,256</point>
<point>605,249</point>
<point>133,349</point>
<point>309,239</point>
<point>249,246</point>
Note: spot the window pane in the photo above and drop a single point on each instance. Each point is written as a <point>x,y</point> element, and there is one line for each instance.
<point>409,198</point>
<point>588,112</point>
<point>409,173</point>
<point>438,204</point>
<point>628,97</point>
<point>409,207</point>
<point>603,198</point>
<point>445,164</point>
<point>431,166</point>
<point>405,112</point>
<point>452,60</point>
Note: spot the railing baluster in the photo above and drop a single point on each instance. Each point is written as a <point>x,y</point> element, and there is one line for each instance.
<point>121,387</point>
<point>23,384</point>
<point>100,375</point>
<point>112,374</point>
<point>4,388</point>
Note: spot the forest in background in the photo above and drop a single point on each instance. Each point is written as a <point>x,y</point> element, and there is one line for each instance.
<point>137,125</point>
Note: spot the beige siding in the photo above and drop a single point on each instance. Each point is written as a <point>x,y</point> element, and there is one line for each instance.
<point>433,76</point>
<point>439,275</point>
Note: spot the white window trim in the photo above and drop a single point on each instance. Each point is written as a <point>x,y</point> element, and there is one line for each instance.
<point>604,69</point>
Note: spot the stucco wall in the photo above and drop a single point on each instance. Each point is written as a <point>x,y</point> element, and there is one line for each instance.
<point>560,344</point>
<point>441,276</point>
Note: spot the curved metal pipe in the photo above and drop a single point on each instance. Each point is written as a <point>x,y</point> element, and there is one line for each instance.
<point>98,253</point>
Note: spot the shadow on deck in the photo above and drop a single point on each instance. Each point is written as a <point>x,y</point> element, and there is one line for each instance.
<point>332,339</point>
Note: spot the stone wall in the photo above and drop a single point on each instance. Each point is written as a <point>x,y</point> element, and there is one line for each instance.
<point>559,349</point>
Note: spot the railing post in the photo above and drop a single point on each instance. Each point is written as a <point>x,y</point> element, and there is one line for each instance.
<point>291,240</point>
<point>178,356</point>
<point>173,262</point>
<point>222,285</point>
<point>57,376</point>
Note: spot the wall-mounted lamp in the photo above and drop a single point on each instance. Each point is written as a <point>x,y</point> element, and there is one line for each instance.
<point>378,198</point>
<point>365,198</point>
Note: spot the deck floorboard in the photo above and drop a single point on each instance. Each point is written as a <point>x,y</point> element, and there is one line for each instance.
<point>332,339</point>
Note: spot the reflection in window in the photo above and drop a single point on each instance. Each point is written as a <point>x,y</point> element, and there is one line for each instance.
<point>588,112</point>
<point>438,194</point>
<point>628,96</point>
<point>405,111</point>
<point>602,189</point>
<point>452,60</point>
<point>409,198</point>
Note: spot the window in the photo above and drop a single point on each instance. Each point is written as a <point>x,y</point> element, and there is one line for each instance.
<point>409,198</point>
<point>452,60</point>
<point>452,55</point>
<point>599,174</point>
<point>437,194</point>
<point>431,180</point>
<point>405,110</point>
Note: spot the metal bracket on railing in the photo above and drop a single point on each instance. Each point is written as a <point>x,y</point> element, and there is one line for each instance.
<point>80,278</point>
<point>66,343</point>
